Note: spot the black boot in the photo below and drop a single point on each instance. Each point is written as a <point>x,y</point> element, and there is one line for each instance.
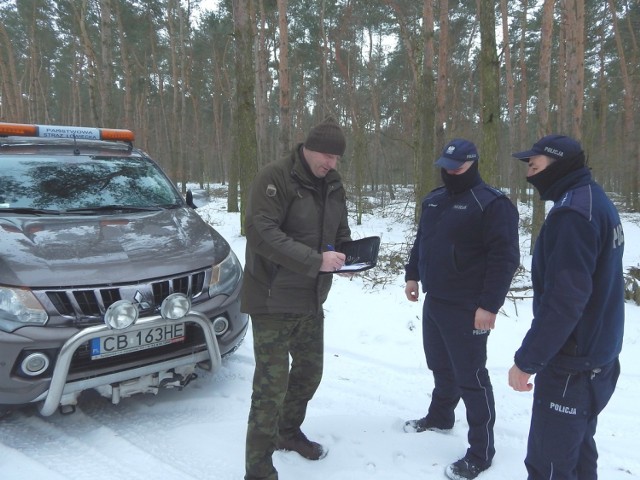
<point>423,424</point>
<point>464,469</point>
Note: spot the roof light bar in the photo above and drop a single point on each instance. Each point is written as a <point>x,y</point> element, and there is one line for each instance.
<point>60,131</point>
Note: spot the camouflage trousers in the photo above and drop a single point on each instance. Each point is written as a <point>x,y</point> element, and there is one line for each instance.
<point>280,391</point>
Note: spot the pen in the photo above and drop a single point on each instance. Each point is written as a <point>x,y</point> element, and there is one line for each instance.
<point>330,248</point>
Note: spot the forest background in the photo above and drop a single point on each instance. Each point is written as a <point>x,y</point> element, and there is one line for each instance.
<point>213,93</point>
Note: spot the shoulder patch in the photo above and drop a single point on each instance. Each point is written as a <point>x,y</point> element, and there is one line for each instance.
<point>271,190</point>
<point>578,200</point>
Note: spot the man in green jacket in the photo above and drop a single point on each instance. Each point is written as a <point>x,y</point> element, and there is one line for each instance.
<point>295,220</point>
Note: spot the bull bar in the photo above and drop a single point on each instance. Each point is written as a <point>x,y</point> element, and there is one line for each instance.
<point>59,385</point>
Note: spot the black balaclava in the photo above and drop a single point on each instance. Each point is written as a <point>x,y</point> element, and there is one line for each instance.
<point>462,182</point>
<point>545,180</point>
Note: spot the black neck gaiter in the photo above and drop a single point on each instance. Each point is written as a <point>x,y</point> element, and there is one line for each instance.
<point>545,180</point>
<point>462,182</point>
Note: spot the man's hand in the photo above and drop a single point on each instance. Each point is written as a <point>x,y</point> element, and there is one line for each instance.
<point>484,320</point>
<point>519,380</point>
<point>412,291</point>
<point>332,261</point>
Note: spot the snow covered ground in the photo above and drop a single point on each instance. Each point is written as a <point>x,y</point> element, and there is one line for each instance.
<point>375,378</point>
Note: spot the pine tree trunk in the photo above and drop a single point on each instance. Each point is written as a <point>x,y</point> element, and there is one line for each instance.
<point>490,96</point>
<point>574,31</point>
<point>106,65</point>
<point>283,79</point>
<point>262,89</point>
<point>127,70</point>
<point>92,64</point>
<point>512,173</point>
<point>523,136</point>
<point>630,137</point>
<point>244,157</point>
<point>10,91</point>
<point>443,75</point>
<point>542,108</point>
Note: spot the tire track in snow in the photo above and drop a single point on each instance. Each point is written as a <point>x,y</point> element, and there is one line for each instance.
<point>62,444</point>
<point>133,440</point>
<point>157,421</point>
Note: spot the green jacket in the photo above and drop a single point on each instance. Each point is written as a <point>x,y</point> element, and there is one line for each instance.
<point>291,218</point>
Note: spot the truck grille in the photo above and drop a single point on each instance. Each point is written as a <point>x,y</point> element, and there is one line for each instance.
<point>88,305</point>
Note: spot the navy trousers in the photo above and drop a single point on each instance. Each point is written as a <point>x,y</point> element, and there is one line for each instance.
<point>563,422</point>
<point>456,353</point>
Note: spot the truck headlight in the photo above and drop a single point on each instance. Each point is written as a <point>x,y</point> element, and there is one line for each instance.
<point>19,307</point>
<point>225,276</point>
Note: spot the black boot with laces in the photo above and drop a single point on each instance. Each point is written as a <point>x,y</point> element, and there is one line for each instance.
<point>422,425</point>
<point>464,469</point>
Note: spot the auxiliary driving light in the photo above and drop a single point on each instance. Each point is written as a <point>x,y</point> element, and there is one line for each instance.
<point>220,325</point>
<point>121,314</point>
<point>35,363</point>
<point>175,306</point>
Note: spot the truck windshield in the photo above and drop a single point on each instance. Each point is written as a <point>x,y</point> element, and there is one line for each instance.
<point>85,182</point>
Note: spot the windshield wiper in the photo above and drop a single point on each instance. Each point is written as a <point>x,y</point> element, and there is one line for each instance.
<point>31,211</point>
<point>113,208</point>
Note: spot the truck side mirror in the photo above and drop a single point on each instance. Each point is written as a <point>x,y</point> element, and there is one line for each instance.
<point>190,199</point>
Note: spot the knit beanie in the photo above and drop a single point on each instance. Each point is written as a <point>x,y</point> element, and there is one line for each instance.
<point>326,137</point>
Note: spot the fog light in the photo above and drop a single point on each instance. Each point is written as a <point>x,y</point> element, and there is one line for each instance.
<point>121,314</point>
<point>175,306</point>
<point>220,325</point>
<point>35,363</point>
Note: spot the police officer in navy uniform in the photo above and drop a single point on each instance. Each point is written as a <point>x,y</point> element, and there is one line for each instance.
<point>465,254</point>
<point>576,334</point>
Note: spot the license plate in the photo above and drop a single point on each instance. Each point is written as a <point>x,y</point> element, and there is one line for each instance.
<point>127,342</point>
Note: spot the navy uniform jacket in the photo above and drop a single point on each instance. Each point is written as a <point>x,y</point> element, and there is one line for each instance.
<point>578,283</point>
<point>466,249</point>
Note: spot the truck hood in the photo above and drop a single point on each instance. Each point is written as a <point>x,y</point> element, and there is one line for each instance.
<point>52,251</point>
